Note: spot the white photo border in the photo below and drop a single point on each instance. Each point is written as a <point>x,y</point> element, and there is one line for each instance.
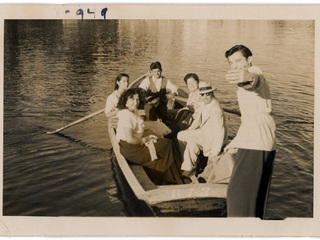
<point>120,226</point>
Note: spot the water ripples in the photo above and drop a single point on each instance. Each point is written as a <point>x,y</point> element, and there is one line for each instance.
<point>51,82</point>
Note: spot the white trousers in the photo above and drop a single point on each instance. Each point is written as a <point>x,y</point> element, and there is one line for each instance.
<point>190,143</point>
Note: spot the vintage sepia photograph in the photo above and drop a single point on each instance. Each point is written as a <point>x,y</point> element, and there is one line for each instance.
<point>159,113</point>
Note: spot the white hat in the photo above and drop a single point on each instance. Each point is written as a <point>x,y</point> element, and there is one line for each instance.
<point>205,87</point>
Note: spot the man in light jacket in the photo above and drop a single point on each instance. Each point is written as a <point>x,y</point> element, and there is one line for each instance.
<point>207,133</point>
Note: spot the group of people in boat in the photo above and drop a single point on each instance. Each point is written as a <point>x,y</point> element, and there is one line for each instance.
<point>204,129</point>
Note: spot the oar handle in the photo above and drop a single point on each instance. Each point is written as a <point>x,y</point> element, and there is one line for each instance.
<point>232,111</point>
<point>78,121</point>
<point>92,114</point>
<point>224,109</point>
<point>182,99</point>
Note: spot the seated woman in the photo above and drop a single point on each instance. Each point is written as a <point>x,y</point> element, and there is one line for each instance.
<point>120,85</point>
<point>194,100</point>
<point>186,115</point>
<point>138,149</point>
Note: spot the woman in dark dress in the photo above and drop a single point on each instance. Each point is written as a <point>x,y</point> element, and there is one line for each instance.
<point>155,154</point>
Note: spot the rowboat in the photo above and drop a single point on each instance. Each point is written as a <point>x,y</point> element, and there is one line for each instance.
<point>188,197</point>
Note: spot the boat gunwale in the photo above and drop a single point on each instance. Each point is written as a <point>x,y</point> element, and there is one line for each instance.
<point>165,192</point>
<point>162,193</point>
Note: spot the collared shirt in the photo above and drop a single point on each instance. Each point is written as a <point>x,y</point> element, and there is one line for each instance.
<point>256,99</point>
<point>112,102</point>
<point>257,129</point>
<point>128,119</point>
<point>145,84</point>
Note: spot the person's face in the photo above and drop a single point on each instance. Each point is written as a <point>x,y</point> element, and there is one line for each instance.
<point>206,97</point>
<point>192,84</point>
<point>123,83</point>
<point>133,103</point>
<point>156,73</point>
<point>238,62</point>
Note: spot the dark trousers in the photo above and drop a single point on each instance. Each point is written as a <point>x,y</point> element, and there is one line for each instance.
<point>140,154</point>
<point>249,184</point>
<point>153,113</point>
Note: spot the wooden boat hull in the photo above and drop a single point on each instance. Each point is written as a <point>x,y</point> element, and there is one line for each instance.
<point>174,200</point>
<point>200,207</point>
<point>188,200</point>
<point>182,199</point>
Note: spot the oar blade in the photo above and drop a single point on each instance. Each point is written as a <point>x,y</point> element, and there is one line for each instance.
<point>53,132</point>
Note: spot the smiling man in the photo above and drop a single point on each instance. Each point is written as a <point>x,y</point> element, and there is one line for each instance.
<point>255,140</point>
<point>158,90</point>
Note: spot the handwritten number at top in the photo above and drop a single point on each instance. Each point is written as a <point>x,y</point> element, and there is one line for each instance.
<point>89,12</point>
<point>104,12</point>
<point>81,13</point>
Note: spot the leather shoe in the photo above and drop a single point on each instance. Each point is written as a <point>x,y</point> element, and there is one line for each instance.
<point>188,173</point>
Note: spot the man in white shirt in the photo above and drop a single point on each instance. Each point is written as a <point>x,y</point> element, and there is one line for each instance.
<point>208,132</point>
<point>158,90</point>
<point>255,141</point>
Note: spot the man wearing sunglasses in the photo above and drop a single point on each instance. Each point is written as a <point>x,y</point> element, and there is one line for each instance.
<point>207,132</point>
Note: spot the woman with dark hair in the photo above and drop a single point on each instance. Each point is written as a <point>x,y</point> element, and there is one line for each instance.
<point>193,103</point>
<point>186,115</point>
<point>120,85</point>
<point>192,82</point>
<point>156,154</point>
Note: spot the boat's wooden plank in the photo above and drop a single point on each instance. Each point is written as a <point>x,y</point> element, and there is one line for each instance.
<point>126,170</point>
<point>137,82</point>
<point>186,191</point>
<point>184,195</point>
<point>142,177</point>
<point>199,207</point>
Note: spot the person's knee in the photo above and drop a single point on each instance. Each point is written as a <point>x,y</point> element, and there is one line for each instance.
<point>165,141</point>
<point>182,136</point>
<point>192,149</point>
<point>164,145</point>
<point>151,112</point>
<point>179,136</point>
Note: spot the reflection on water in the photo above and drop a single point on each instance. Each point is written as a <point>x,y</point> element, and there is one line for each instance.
<point>56,72</point>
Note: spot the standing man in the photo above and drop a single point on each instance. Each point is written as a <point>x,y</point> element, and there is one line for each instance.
<point>207,132</point>
<point>157,87</point>
<point>255,141</point>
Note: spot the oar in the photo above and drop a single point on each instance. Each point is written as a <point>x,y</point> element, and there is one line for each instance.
<point>182,99</point>
<point>224,109</point>
<point>78,121</point>
<point>93,114</point>
<point>232,111</point>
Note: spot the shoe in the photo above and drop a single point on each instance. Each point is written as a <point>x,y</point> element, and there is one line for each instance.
<point>201,180</point>
<point>189,173</point>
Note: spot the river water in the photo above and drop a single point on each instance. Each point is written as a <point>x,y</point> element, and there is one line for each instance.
<point>57,71</point>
